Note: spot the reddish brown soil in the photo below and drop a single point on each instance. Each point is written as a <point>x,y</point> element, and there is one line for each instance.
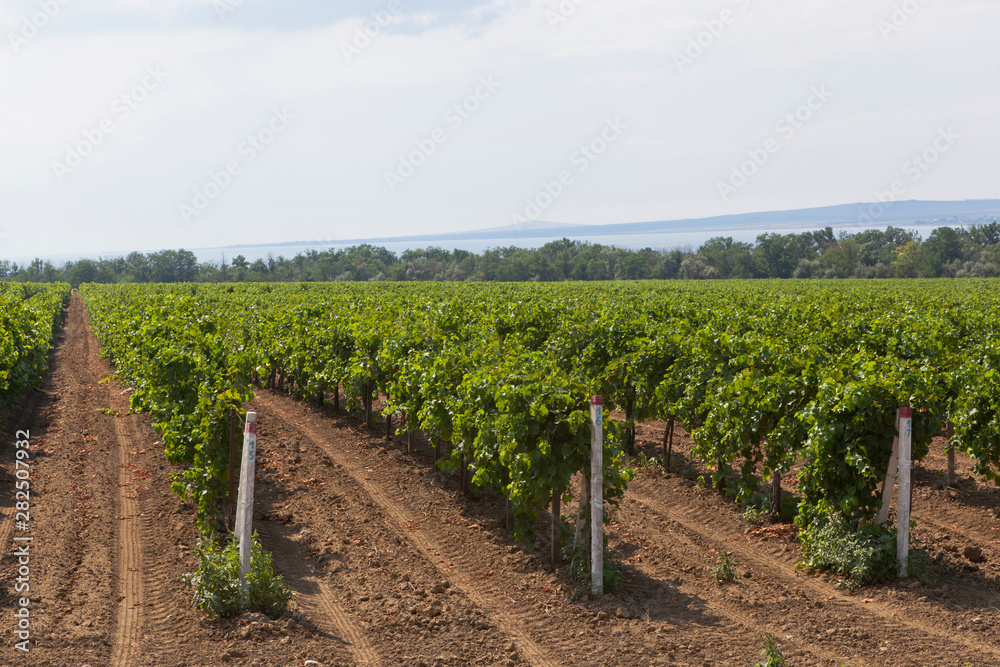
<point>110,539</point>
<point>391,565</point>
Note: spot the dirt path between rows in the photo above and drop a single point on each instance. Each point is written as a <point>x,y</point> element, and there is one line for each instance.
<point>451,561</point>
<point>110,540</point>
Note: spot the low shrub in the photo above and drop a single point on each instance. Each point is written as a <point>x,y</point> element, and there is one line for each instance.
<point>216,582</point>
<point>865,554</point>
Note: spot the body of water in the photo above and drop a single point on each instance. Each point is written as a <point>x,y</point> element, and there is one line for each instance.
<point>664,241</point>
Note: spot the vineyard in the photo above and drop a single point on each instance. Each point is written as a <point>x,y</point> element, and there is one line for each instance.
<point>29,316</point>
<point>499,376</point>
<point>419,439</point>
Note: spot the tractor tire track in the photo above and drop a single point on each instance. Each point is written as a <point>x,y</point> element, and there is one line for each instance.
<point>696,522</point>
<point>128,629</point>
<point>451,561</point>
<point>316,599</point>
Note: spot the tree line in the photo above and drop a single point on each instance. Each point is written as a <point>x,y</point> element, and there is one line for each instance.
<point>970,251</point>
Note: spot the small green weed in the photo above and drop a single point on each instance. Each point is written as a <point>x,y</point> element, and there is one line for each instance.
<point>755,516</point>
<point>216,582</point>
<point>773,657</point>
<point>647,463</point>
<point>576,555</point>
<point>724,569</point>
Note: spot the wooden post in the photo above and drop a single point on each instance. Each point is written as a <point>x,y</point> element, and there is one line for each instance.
<point>597,495</point>
<point>461,475</point>
<point>582,536</point>
<point>556,528</point>
<point>668,444</point>
<point>230,509</point>
<point>775,496</point>
<point>388,420</point>
<point>336,397</point>
<point>630,442</point>
<point>949,432</point>
<point>508,510</point>
<point>890,480</point>
<point>244,514</point>
<point>903,505</point>
<point>951,465</point>
<point>368,403</point>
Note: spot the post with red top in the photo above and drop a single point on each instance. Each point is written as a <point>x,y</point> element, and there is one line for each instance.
<point>597,495</point>
<point>244,509</point>
<point>905,485</point>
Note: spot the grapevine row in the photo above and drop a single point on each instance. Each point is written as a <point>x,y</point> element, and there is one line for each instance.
<point>29,318</point>
<point>764,375</point>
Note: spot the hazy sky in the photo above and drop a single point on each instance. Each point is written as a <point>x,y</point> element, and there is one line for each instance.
<point>142,124</point>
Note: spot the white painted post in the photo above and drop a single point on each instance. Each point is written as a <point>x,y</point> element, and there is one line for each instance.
<point>597,495</point>
<point>244,504</point>
<point>903,504</point>
<point>583,517</point>
<point>890,479</point>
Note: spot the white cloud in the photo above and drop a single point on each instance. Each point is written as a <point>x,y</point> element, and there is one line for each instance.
<point>559,83</point>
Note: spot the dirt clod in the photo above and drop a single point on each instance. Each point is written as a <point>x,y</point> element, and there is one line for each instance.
<point>973,554</point>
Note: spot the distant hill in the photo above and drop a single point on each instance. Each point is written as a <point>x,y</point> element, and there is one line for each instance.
<point>845,216</point>
<point>663,234</point>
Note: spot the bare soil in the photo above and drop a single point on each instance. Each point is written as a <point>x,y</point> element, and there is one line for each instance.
<point>391,565</point>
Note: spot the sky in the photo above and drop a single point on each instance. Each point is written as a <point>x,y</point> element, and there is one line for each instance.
<point>142,125</point>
